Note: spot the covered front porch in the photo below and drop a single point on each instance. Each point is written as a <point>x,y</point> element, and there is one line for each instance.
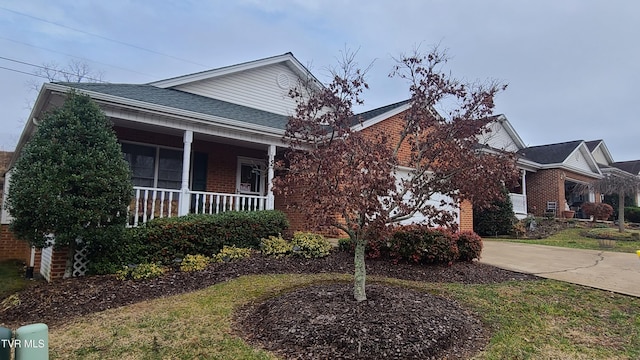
<point>176,173</point>
<point>518,196</point>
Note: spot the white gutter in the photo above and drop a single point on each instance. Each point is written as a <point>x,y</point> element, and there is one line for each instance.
<point>167,110</point>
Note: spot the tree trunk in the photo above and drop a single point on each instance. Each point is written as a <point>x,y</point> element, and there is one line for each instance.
<point>360,271</point>
<point>620,211</point>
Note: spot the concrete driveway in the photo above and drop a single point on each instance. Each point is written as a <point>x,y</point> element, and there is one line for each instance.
<point>606,270</point>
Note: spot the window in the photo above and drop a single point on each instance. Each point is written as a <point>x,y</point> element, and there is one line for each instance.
<point>153,166</point>
<point>250,176</point>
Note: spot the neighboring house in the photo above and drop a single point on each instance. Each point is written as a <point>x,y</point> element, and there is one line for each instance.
<point>550,172</point>
<point>201,143</point>
<point>608,165</point>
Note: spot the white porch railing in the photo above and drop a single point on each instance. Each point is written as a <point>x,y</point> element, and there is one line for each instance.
<point>519,202</point>
<point>213,203</point>
<point>150,203</point>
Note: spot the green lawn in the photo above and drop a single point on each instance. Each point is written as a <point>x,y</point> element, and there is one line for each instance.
<point>543,319</point>
<point>11,278</point>
<point>572,238</point>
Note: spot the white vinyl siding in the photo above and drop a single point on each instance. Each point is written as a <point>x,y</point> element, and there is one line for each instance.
<point>498,138</point>
<point>435,200</point>
<point>579,161</point>
<point>257,88</point>
<point>599,156</point>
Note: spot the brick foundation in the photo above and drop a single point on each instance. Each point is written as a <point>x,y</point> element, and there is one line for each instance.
<point>11,247</point>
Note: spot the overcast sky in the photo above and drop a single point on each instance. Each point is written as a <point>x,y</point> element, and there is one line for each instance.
<point>573,66</point>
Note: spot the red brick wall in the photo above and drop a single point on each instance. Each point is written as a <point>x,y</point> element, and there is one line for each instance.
<point>548,185</point>
<point>11,247</point>
<point>58,264</point>
<point>392,127</point>
<point>466,216</point>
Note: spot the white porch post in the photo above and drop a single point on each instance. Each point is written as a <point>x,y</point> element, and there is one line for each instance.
<point>524,191</point>
<point>183,208</point>
<point>270,176</point>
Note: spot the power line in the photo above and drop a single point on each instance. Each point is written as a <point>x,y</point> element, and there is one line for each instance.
<point>104,37</point>
<point>77,57</point>
<point>48,68</point>
<point>23,72</point>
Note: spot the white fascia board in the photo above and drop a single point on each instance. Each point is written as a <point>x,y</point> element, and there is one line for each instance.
<point>287,58</point>
<point>511,131</point>
<point>380,118</point>
<point>587,154</point>
<point>170,111</point>
<point>528,165</point>
<point>606,152</point>
<point>570,168</point>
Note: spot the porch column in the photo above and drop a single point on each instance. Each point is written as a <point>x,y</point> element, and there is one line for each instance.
<point>270,176</point>
<point>185,199</point>
<point>524,191</point>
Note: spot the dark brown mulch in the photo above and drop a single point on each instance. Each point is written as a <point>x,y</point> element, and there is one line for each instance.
<point>65,300</point>
<point>325,322</point>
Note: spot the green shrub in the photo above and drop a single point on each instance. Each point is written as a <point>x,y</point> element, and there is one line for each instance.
<point>498,219</point>
<point>469,245</point>
<point>275,246</point>
<point>345,244</point>
<point>117,248</point>
<point>632,214</point>
<point>421,244</point>
<point>141,271</point>
<point>231,253</point>
<point>194,262</point>
<point>309,245</point>
<point>171,238</point>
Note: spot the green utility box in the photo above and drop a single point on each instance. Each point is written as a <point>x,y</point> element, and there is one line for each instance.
<point>6,338</point>
<point>32,342</point>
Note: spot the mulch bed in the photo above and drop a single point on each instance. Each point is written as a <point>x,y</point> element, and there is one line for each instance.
<point>400,319</point>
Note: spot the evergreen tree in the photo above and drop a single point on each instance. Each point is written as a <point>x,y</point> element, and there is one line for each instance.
<point>495,220</point>
<point>71,180</point>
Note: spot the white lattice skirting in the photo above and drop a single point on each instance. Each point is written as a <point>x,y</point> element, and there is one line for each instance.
<point>80,262</point>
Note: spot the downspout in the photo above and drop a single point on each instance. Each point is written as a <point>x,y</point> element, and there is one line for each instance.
<point>32,262</point>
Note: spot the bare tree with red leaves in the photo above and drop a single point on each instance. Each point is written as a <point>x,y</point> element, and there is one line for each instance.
<point>348,176</point>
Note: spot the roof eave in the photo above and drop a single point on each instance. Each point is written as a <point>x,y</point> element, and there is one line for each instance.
<point>167,110</point>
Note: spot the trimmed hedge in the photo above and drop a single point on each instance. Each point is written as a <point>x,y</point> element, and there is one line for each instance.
<point>421,244</point>
<point>164,240</point>
<point>632,214</point>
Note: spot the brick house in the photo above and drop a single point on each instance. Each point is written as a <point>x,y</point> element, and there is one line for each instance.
<point>199,143</point>
<point>550,173</point>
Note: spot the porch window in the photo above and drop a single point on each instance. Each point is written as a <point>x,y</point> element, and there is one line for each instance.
<point>251,176</point>
<point>154,166</point>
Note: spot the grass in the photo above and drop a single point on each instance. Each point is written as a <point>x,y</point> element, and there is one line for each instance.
<point>573,238</point>
<point>11,278</point>
<point>544,319</point>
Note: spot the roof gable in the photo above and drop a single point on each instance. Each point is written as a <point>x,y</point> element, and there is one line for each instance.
<point>262,84</point>
<point>600,152</point>
<point>572,154</point>
<point>501,135</point>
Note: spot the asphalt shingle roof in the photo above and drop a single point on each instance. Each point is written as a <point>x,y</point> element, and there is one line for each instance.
<point>187,101</point>
<point>204,105</point>
<point>551,153</point>
<point>632,167</point>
